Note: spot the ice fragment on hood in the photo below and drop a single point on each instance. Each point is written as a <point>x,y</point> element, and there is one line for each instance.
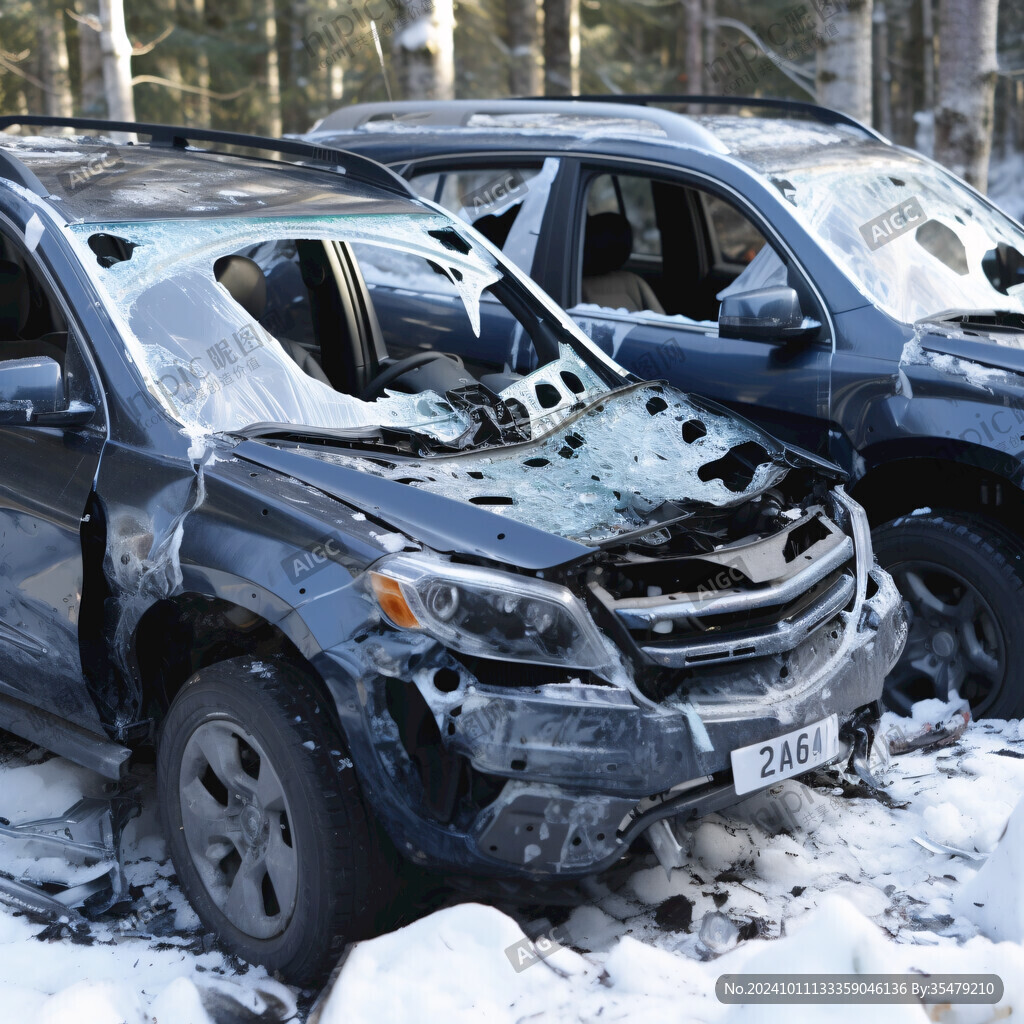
<point>604,472</point>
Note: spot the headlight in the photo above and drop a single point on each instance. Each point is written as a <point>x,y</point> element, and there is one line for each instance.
<point>487,613</point>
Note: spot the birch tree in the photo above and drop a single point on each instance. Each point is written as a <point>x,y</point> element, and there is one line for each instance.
<point>966,87</point>
<point>843,73</point>
<point>116,53</point>
<point>424,52</point>
<point>273,72</point>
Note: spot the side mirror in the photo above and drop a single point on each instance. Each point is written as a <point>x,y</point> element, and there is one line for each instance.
<point>767,314</point>
<point>32,393</point>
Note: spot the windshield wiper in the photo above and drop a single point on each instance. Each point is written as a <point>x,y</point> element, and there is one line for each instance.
<point>292,430</point>
<point>1004,319</point>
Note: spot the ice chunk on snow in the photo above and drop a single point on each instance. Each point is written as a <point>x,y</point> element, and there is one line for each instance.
<point>180,1001</point>
<point>992,899</point>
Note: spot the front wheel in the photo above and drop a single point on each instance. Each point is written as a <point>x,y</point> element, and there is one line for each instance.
<point>962,581</point>
<point>266,827</point>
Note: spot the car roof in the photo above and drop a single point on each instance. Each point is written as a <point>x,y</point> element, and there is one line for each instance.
<point>763,133</point>
<point>95,179</point>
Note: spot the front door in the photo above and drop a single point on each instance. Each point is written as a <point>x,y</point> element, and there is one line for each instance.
<point>46,477</point>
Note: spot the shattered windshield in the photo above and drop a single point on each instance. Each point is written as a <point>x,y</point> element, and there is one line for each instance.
<point>241,322</point>
<point>910,235</point>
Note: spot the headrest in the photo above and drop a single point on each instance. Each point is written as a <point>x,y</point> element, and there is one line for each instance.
<point>607,243</point>
<point>244,281</point>
<point>495,227</point>
<point>14,300</point>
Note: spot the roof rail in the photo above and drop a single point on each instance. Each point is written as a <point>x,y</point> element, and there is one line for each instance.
<point>14,170</point>
<point>826,115</point>
<point>457,113</point>
<point>355,166</point>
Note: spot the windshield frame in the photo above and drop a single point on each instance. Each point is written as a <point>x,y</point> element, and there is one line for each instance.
<point>473,253</point>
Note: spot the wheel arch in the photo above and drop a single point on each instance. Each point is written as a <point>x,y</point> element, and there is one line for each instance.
<point>177,636</point>
<point>977,482</point>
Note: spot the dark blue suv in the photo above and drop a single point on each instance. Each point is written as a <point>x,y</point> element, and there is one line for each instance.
<point>849,295</point>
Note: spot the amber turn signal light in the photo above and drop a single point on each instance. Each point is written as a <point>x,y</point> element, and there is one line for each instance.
<point>392,601</point>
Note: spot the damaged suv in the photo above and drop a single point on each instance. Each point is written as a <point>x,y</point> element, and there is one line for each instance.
<point>515,608</point>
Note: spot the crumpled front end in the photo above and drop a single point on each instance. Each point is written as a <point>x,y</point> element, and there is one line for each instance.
<point>507,767</point>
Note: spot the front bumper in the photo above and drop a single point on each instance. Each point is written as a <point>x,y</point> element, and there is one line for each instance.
<point>581,762</point>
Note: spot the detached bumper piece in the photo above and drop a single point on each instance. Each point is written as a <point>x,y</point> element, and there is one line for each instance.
<point>87,840</point>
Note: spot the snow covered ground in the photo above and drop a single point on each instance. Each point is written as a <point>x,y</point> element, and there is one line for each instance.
<point>153,965</point>
<point>844,889</point>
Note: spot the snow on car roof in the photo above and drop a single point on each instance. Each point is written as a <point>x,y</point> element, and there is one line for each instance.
<point>742,132</point>
<point>94,180</point>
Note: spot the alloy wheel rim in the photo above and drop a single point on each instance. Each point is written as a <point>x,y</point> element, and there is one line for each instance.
<point>237,825</point>
<point>954,642</point>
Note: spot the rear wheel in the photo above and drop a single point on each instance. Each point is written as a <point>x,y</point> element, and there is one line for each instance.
<point>962,581</point>
<point>266,827</point>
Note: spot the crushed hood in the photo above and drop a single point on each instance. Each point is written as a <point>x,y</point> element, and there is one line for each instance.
<point>627,463</point>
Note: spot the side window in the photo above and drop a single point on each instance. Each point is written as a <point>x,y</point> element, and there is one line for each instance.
<point>734,239</point>
<point>666,248</point>
<point>32,324</point>
<point>31,320</point>
<point>633,198</point>
<point>505,204</point>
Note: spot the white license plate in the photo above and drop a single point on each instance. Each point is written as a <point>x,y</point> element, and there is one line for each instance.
<point>793,753</point>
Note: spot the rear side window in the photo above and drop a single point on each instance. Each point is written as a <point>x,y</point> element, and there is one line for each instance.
<point>631,196</point>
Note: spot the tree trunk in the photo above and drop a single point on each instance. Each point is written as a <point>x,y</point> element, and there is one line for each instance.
<point>966,80</point>
<point>524,74</point>
<point>710,36</point>
<point>116,51</point>
<point>561,47</point>
<point>201,108</point>
<point>843,79</point>
<point>90,61</point>
<point>883,72</point>
<point>168,66</point>
<point>53,62</point>
<point>694,62</point>
<point>424,52</point>
<point>272,113</point>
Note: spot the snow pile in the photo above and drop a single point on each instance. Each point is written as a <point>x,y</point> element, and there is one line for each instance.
<point>452,967</point>
<point>833,883</point>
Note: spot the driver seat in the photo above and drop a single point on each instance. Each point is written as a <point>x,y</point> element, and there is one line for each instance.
<point>246,284</point>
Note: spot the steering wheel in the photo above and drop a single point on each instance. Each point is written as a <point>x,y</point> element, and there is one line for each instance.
<point>376,386</point>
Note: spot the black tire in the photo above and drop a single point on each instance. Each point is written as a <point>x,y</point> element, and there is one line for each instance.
<point>962,580</point>
<point>301,812</point>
